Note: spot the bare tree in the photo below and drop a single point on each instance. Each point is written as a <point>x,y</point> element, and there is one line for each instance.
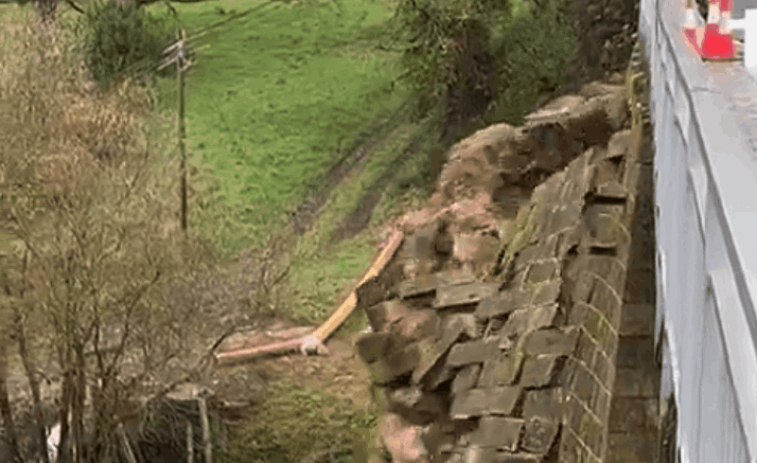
<point>100,241</point>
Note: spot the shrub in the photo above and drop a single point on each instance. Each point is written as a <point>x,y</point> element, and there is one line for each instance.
<point>123,40</point>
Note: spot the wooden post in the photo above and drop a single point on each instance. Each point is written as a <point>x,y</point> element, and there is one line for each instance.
<point>190,443</point>
<point>206,444</point>
<point>182,133</point>
<point>125,443</point>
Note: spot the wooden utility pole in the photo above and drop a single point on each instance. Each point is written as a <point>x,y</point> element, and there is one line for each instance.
<point>177,53</point>
<point>182,134</point>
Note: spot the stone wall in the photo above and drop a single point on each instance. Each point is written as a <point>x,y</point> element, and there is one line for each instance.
<point>516,365</point>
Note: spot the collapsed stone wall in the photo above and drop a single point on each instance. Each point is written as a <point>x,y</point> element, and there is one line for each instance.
<point>515,363</point>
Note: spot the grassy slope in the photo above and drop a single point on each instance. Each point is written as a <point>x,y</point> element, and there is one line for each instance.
<point>274,99</point>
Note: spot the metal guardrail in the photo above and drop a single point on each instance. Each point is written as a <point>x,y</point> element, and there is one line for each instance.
<point>705,131</point>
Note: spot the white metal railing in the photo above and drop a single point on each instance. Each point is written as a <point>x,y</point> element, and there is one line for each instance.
<point>706,231</point>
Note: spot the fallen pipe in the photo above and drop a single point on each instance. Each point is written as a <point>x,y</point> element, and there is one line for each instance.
<point>313,344</point>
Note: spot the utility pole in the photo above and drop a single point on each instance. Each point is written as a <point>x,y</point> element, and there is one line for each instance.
<point>177,54</point>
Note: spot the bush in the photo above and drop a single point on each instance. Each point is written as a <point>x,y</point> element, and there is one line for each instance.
<point>123,40</point>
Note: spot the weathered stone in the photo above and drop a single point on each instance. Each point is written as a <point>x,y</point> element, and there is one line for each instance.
<point>480,402</point>
<point>569,239</point>
<point>546,403</point>
<point>552,341</point>
<point>498,432</point>
<point>502,370</point>
<point>611,190</point>
<point>401,439</point>
<point>476,351</point>
<point>634,382</point>
<point>370,293</point>
<point>608,268</point>
<point>495,305</point>
<point>618,145</point>
<point>590,431</point>
<point>538,371</point>
<point>601,404</point>
<point>629,414</point>
<point>586,349</point>
<point>466,379</point>
<point>478,454</point>
<point>456,277</point>
<point>460,295</point>
<point>542,271</point>
<point>380,316</point>
<point>539,435</point>
<point>419,286</point>
<point>547,249</point>
<point>430,353</point>
<point>606,301</point>
<point>399,363</point>
<point>583,288</point>
<point>530,319</point>
<point>604,369</point>
<point>406,396</point>
<point>546,292</point>
<point>563,217</point>
<point>372,346</point>
<point>420,245</point>
<point>637,320</point>
<point>584,385</point>
<point>519,457</point>
<point>635,352</point>
<point>416,325</point>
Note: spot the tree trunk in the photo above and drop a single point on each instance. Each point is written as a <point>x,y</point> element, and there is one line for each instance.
<point>31,375</point>
<point>5,404</point>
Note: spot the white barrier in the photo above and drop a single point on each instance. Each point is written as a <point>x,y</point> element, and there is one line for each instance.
<point>706,230</point>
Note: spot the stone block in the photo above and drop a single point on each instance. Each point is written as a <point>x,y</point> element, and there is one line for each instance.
<point>416,325</point>
<point>637,447</point>
<point>584,385</point>
<point>419,286</point>
<point>456,277</point>
<point>370,293</point>
<point>542,271</point>
<point>372,346</point>
<point>462,295</point>
<point>604,369</point>
<point>396,364</point>
<point>502,370</point>
<point>539,371</point>
<point>476,351</point>
<point>484,402</point>
<point>611,191</point>
<point>539,435</point>
<point>380,316</point>
<point>630,414</point>
<point>601,404</point>
<point>519,457</point>
<point>640,285</point>
<point>634,382</point>
<point>583,287</point>
<point>546,403</point>
<point>574,411</point>
<point>466,379</point>
<point>498,432</point>
<point>546,292</point>
<point>500,304</point>
<point>563,217</point>
<point>571,448</point>
<point>530,319</point>
<point>591,432</point>
<point>569,239</point>
<point>420,245</point>
<point>430,353</point>
<point>637,320</point>
<point>586,348</point>
<point>546,249</point>
<point>552,341</point>
<point>407,396</point>
<point>607,302</point>
<point>609,268</point>
<point>635,352</point>
<point>478,454</point>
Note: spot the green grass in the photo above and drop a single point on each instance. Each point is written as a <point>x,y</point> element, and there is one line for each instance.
<point>273,100</point>
<point>308,422</point>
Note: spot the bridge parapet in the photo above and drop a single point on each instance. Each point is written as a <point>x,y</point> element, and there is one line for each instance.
<point>705,131</point>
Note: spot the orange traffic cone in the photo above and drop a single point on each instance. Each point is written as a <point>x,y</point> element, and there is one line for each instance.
<point>690,29</point>
<point>718,43</point>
